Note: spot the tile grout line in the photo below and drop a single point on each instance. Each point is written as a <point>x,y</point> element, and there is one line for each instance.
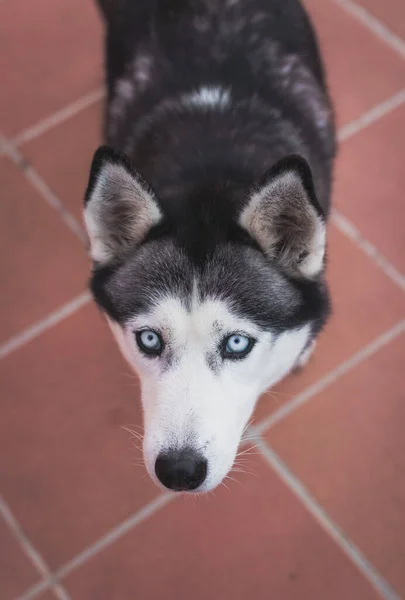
<point>352,552</point>
<point>373,24</point>
<point>343,223</point>
<point>35,590</point>
<point>371,116</point>
<point>349,230</point>
<point>114,534</point>
<point>30,551</point>
<point>58,117</point>
<point>330,377</point>
<point>15,528</point>
<point>99,545</point>
<point>39,327</point>
<point>42,188</point>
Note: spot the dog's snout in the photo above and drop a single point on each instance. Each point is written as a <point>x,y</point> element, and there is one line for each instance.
<point>183,470</point>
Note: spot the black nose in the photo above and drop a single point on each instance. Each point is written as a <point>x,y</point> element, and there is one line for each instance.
<point>181,470</point>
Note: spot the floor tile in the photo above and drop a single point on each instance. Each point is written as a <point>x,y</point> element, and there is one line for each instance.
<point>67,468</point>
<point>370,180</point>
<point>46,264</point>
<point>349,49</point>
<point>347,445</point>
<point>17,573</point>
<point>254,540</point>
<point>365,304</point>
<point>66,171</point>
<point>390,12</point>
<point>50,55</point>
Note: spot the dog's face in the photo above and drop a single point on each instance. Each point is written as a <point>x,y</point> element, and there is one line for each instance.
<point>207,332</point>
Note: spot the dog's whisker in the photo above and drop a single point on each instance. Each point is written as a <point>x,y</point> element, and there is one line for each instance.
<point>247,450</point>
<point>224,484</point>
<point>133,434</point>
<point>246,466</point>
<point>136,448</point>
<point>129,375</point>
<point>247,427</point>
<point>136,435</point>
<point>276,393</point>
<point>247,471</point>
<point>132,447</point>
<point>233,478</point>
<point>129,428</point>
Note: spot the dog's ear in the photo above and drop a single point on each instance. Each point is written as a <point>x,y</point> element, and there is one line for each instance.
<point>119,208</point>
<point>284,217</point>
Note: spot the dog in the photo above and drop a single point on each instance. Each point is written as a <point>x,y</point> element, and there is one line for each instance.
<point>206,215</point>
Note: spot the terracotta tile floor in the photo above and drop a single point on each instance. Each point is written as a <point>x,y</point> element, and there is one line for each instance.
<point>321,513</point>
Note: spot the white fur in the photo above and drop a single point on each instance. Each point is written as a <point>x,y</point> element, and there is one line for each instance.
<point>188,403</point>
<point>306,355</point>
<point>207,97</point>
<point>313,264</point>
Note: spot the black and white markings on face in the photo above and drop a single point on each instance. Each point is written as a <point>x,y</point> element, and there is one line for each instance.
<point>238,275</point>
<point>238,278</point>
<point>201,331</point>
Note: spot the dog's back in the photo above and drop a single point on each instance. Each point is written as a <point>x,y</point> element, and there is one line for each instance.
<point>231,85</point>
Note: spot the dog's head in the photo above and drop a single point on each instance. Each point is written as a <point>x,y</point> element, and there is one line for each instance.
<point>209,305</point>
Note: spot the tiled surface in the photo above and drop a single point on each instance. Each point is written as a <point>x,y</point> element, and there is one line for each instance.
<point>41,271</point>
<point>370,180</point>
<point>48,595</point>
<point>63,155</point>
<point>347,446</point>
<point>389,12</point>
<point>17,572</point>
<point>349,51</point>
<point>50,55</point>
<point>69,472</point>
<point>259,553</point>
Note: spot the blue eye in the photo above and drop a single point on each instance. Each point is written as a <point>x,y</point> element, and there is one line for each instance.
<point>237,346</point>
<point>149,342</point>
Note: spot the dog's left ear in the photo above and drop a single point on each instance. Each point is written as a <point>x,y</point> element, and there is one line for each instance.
<point>119,207</point>
<point>284,217</point>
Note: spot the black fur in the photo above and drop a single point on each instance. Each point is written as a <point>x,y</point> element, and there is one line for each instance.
<point>202,164</point>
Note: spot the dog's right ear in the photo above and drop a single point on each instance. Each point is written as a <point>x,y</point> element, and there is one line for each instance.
<point>284,217</point>
<point>119,208</point>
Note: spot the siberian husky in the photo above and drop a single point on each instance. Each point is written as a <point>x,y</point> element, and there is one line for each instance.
<point>206,215</point>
